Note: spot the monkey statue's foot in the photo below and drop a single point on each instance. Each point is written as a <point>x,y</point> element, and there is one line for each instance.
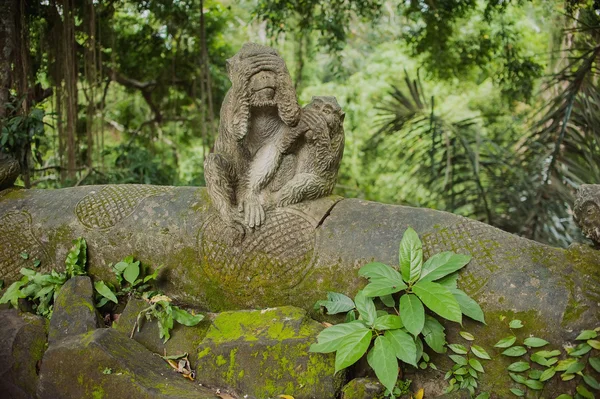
<point>253,211</point>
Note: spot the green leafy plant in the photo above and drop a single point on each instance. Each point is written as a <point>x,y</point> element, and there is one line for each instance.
<point>398,333</point>
<point>465,372</point>
<point>165,313</point>
<point>534,366</point>
<point>41,288</point>
<point>132,278</point>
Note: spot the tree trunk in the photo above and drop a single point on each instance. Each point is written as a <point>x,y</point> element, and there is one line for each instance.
<point>7,35</point>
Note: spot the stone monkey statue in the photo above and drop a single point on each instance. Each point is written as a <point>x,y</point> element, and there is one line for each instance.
<point>316,146</point>
<point>586,211</point>
<point>260,106</point>
<point>269,151</point>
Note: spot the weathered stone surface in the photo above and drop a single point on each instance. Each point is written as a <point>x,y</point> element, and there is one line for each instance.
<point>265,353</point>
<point>74,311</point>
<point>107,364</point>
<point>586,211</point>
<point>556,291</point>
<point>183,339</point>
<point>22,345</point>
<point>363,388</point>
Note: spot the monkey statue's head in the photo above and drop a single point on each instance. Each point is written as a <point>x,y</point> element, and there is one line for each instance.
<point>260,78</point>
<point>586,211</point>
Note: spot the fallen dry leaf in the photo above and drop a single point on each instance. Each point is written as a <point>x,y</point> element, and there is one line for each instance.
<point>419,394</point>
<point>326,324</point>
<point>288,396</point>
<point>225,396</point>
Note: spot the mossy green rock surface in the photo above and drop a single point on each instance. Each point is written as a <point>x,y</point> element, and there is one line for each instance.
<point>264,353</point>
<point>183,339</point>
<point>107,364</point>
<point>74,311</point>
<point>22,345</point>
<point>363,388</point>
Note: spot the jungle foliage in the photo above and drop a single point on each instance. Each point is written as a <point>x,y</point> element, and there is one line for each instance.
<point>485,108</point>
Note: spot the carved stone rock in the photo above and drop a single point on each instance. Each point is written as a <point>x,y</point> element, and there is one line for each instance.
<point>269,152</point>
<point>9,170</point>
<point>303,251</point>
<point>586,211</point>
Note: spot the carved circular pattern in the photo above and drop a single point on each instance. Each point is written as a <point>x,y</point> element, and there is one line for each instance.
<point>278,254</point>
<point>16,238</point>
<point>105,208</point>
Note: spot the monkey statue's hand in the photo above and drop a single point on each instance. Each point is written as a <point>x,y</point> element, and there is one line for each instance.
<point>254,214</point>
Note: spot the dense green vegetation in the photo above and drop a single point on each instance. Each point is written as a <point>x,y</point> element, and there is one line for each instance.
<point>486,108</point>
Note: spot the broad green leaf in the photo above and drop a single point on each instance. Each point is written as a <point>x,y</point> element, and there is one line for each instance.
<point>131,272</point>
<point>567,377</point>
<point>13,293</point>
<point>468,306</point>
<point>403,345</point>
<point>383,361</point>
<point>515,351</point>
<point>411,255</point>
<point>36,263</point>
<point>350,316</point>
<point>388,300</point>
<point>435,262</point>
<point>591,381</point>
<point>533,384</point>
<point>467,335</point>
<point>336,303</point>
<point>461,371</point>
<point>121,266</point>
<point>595,363</point>
<point>460,360</point>
<point>517,367</point>
<point>534,374</point>
<point>476,364</point>
<point>454,263</point>
<point>331,338</point>
<point>547,374</point>
<point>450,281</point>
<point>433,333</point>
<point>483,395</point>
<point>518,378</point>
<point>580,350</point>
<point>106,292</point>
<point>515,324</point>
<point>563,365</point>
<point>365,307</point>
<point>584,392</point>
<point>412,313</point>
<point>534,342</point>
<point>506,342</point>
<point>480,352</point>
<point>587,334</point>
<point>575,368</point>
<point>458,349</point>
<point>564,396</point>
<point>439,299</point>
<point>379,270</point>
<point>548,354</point>
<point>517,392</point>
<point>185,318</point>
<point>353,347</point>
<point>388,322</point>
<point>594,343</point>
<point>537,358</point>
<point>419,346</point>
<point>383,286</point>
